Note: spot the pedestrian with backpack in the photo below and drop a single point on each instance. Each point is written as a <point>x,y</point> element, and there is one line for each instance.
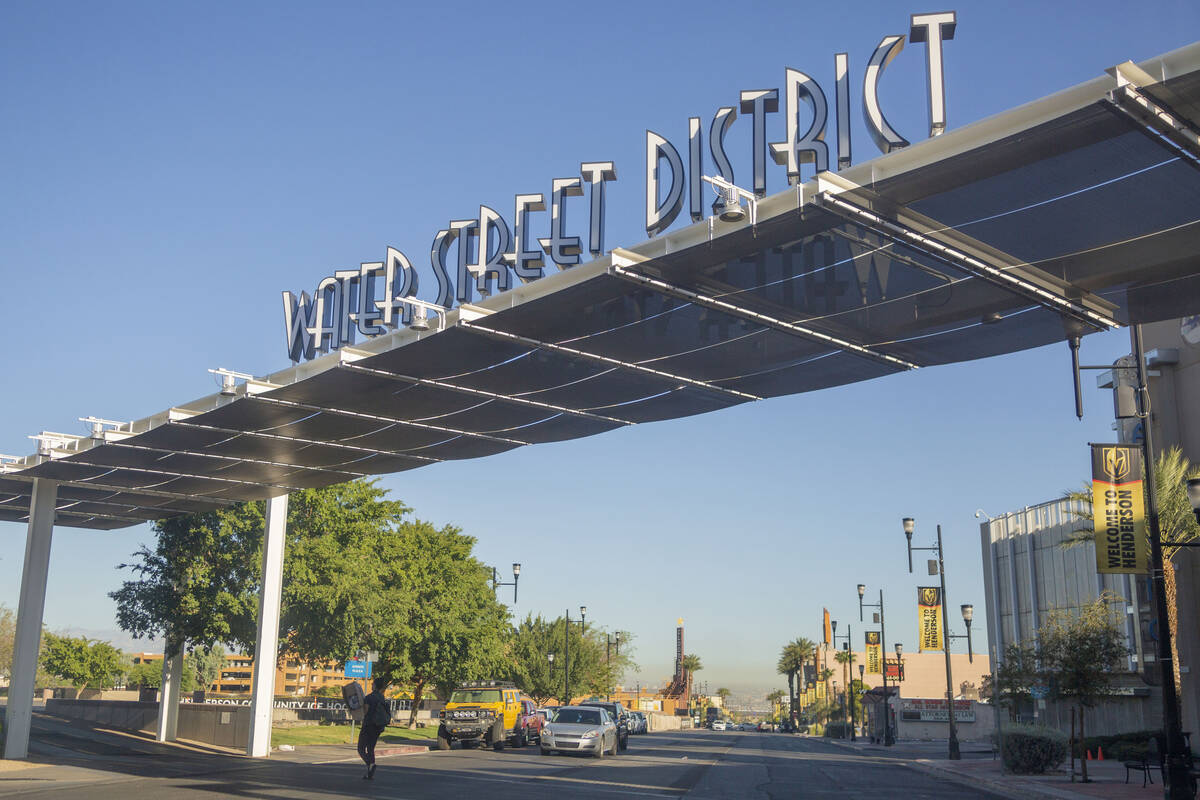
<point>376,716</point>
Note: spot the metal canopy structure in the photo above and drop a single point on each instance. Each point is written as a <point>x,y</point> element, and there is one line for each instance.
<point>1072,214</point>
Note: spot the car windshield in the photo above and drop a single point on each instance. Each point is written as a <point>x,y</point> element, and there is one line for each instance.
<point>475,696</point>
<point>577,716</point>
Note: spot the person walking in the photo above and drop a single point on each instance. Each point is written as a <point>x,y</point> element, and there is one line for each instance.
<point>376,716</point>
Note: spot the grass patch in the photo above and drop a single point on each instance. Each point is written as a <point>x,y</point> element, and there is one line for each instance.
<point>342,734</point>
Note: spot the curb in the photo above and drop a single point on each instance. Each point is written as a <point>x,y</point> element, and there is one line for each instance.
<point>1005,789</point>
<point>400,750</point>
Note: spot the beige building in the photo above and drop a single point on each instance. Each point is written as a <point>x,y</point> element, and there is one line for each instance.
<point>292,677</point>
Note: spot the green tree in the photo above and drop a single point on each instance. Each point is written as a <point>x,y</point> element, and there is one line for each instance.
<point>723,693</point>
<point>595,668</point>
<point>450,627</point>
<point>206,664</point>
<point>1081,654</point>
<point>774,698</point>
<point>145,675</point>
<point>691,665</point>
<point>1013,678</point>
<point>80,661</point>
<point>8,634</point>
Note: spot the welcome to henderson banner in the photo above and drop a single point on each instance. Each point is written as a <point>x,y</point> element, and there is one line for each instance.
<point>929,618</point>
<point>874,653</point>
<point>1118,509</point>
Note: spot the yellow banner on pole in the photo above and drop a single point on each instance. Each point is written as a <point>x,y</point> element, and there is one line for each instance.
<point>1119,510</point>
<point>827,629</point>
<point>874,653</point>
<point>929,618</point>
<point>821,690</point>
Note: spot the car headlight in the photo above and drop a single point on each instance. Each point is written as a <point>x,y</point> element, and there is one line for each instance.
<point>590,735</point>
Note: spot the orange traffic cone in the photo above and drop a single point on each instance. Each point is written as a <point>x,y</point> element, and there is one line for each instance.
<point>1089,754</point>
<point>1099,753</point>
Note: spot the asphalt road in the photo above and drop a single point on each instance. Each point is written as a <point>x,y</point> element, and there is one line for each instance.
<point>691,764</point>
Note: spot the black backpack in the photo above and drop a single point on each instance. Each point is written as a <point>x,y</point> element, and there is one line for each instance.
<point>381,714</point>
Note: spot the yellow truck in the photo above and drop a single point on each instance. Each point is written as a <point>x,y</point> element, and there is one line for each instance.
<point>484,713</point>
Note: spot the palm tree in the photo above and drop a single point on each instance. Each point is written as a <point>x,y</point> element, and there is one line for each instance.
<point>723,693</point>
<point>809,650</point>
<point>691,663</point>
<point>790,662</point>
<point>846,659</point>
<point>1175,520</point>
<point>774,698</point>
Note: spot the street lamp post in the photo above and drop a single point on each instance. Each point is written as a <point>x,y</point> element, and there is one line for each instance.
<point>497,583</point>
<point>609,640</point>
<point>567,650</point>
<point>888,738</point>
<point>909,526</point>
<point>847,672</point>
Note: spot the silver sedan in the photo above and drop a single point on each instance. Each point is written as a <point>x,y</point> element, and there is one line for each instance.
<point>580,729</point>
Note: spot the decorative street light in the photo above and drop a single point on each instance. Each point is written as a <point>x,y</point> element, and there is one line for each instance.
<point>608,651</point>
<point>888,738</point>
<point>567,651</point>
<point>909,525</point>
<point>847,671</point>
<point>497,583</point>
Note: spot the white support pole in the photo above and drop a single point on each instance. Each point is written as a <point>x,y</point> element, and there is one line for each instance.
<point>168,703</point>
<point>266,651</point>
<point>19,715</point>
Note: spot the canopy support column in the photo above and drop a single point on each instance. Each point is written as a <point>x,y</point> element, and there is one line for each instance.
<point>266,651</point>
<point>19,714</point>
<point>168,703</point>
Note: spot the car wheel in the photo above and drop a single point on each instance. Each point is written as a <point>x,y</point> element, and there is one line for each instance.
<point>443,739</point>
<point>520,740</point>
<point>599,750</point>
<point>545,751</point>
<point>623,743</point>
<point>615,749</point>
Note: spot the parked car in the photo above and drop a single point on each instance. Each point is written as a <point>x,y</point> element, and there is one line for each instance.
<point>619,715</point>
<point>580,729</point>
<point>640,723</point>
<point>718,724</point>
<point>532,721</point>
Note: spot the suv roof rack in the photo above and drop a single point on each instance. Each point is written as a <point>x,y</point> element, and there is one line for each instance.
<point>487,685</point>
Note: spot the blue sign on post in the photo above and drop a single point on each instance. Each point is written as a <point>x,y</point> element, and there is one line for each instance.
<point>358,669</point>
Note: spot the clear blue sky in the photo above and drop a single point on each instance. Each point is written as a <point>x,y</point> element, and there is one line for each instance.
<point>168,169</point>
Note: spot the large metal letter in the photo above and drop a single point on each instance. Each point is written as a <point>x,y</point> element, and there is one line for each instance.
<point>841,69</point>
<point>721,123</point>
<point>563,250</point>
<point>368,314</point>
<point>760,102</point>
<point>266,649</point>
<point>464,232</point>
<point>597,173</point>
<point>19,715</point>
<point>325,330</point>
<point>809,148</point>
<point>695,169</point>
<point>489,264</point>
<point>884,137</point>
<point>933,29</point>
<point>299,317</point>
<point>399,281</point>
<point>526,263</point>
<point>437,259</point>
<point>659,216</point>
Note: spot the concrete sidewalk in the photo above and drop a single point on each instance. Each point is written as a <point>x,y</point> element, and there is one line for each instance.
<point>1107,778</point>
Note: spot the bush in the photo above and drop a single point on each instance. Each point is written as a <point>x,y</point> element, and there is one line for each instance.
<point>1121,746</point>
<point>838,730</point>
<point>1031,750</point>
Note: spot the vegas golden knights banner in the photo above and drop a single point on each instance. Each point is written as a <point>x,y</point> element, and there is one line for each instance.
<point>821,690</point>
<point>828,629</point>
<point>874,653</point>
<point>929,618</point>
<point>1118,508</point>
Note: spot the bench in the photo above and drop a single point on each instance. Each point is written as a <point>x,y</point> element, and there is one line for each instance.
<point>1149,759</point>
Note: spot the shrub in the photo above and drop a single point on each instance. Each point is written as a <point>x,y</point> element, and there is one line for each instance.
<point>837,730</point>
<point>1119,746</point>
<point>1031,750</point>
